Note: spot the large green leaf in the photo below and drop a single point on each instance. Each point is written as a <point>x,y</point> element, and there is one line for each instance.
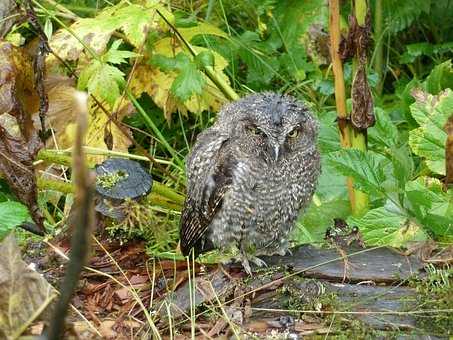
<point>387,226</point>
<point>432,206</point>
<point>365,168</point>
<point>428,141</point>
<point>384,133</point>
<point>403,165</point>
<point>313,224</point>
<point>440,78</point>
<point>11,215</point>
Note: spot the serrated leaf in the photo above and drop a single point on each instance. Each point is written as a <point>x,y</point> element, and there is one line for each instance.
<point>385,226</point>
<point>189,81</point>
<point>115,56</point>
<point>428,141</point>
<point>134,20</point>
<point>102,80</point>
<point>328,139</point>
<point>440,78</point>
<point>157,83</point>
<point>384,133</point>
<point>403,164</point>
<point>11,215</point>
<point>365,168</point>
<point>432,206</point>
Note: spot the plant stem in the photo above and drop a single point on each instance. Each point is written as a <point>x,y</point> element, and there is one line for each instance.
<point>359,137</point>
<point>378,38</point>
<point>340,92</point>
<point>223,86</point>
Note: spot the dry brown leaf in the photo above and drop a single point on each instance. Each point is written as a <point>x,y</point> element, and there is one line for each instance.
<point>18,147</point>
<point>23,292</point>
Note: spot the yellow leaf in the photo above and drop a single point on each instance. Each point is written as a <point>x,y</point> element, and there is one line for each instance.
<point>202,28</point>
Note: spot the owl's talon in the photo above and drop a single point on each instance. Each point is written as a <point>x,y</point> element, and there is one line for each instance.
<point>259,262</point>
<point>246,265</point>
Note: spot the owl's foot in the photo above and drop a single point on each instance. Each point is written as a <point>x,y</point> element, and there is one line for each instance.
<point>255,260</point>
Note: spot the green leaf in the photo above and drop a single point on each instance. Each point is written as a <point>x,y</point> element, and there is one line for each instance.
<point>102,80</point>
<point>365,168</point>
<point>188,82</point>
<point>48,28</point>
<point>440,78</point>
<point>403,165</point>
<point>387,226</point>
<point>115,56</point>
<point>135,20</point>
<point>401,14</point>
<point>328,139</point>
<point>428,141</point>
<point>384,133</point>
<point>11,215</point>
<point>314,223</point>
<point>432,206</point>
<point>205,58</point>
<point>424,48</point>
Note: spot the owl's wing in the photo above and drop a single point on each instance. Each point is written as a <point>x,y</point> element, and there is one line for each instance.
<point>209,178</point>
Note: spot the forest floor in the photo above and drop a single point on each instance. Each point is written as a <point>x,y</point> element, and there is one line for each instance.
<point>315,292</point>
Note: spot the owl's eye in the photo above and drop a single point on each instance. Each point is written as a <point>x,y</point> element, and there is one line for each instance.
<point>254,130</point>
<point>294,133</point>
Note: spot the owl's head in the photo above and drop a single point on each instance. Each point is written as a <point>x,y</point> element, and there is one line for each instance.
<point>272,126</point>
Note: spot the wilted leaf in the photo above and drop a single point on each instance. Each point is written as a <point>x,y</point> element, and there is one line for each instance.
<point>387,226</point>
<point>17,150</point>
<point>428,141</point>
<point>11,215</point>
<point>22,291</point>
<point>134,20</point>
<point>364,167</point>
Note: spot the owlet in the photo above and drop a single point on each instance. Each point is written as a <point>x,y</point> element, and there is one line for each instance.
<point>249,177</point>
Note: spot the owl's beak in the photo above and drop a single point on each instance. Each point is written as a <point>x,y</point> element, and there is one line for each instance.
<point>276,152</point>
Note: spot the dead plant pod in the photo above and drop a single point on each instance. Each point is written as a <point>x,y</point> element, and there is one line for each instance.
<point>362,115</point>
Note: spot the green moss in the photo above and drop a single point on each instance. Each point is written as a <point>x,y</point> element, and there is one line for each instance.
<point>108,181</point>
<point>435,292</point>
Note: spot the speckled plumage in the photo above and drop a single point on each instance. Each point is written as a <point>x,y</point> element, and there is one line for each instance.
<point>249,176</point>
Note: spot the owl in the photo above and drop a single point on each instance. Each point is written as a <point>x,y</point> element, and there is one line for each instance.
<point>249,176</point>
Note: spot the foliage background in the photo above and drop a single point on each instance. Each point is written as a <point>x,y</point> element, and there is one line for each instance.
<point>127,56</point>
